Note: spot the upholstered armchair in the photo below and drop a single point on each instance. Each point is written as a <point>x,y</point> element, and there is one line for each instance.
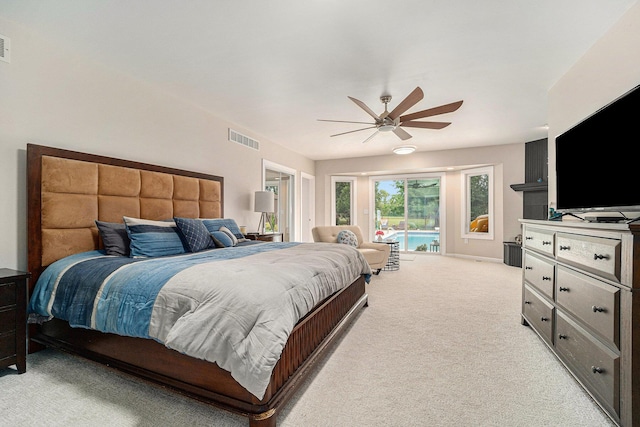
<point>376,254</point>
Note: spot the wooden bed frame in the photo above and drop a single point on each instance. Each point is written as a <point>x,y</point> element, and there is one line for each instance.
<point>148,359</point>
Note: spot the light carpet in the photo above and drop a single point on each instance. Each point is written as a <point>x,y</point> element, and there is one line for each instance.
<point>440,344</point>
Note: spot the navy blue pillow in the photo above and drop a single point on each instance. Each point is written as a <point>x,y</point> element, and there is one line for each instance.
<point>114,238</point>
<point>194,234</point>
<point>214,224</point>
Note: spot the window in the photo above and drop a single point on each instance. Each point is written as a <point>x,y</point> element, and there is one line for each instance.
<point>343,190</point>
<point>477,212</point>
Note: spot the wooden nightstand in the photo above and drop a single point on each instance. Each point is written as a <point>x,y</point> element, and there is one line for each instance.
<point>268,237</point>
<point>13,319</point>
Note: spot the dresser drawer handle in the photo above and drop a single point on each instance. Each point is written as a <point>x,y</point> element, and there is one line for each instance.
<point>598,256</point>
<point>528,302</point>
<point>561,289</point>
<point>544,319</point>
<point>597,370</point>
<point>562,337</point>
<point>545,242</point>
<point>546,278</point>
<point>597,309</point>
<point>528,238</point>
<point>528,268</point>
<point>564,248</point>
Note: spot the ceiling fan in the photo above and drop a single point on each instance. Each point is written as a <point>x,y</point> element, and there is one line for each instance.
<point>394,121</point>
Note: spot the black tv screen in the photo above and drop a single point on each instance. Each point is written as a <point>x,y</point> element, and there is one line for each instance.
<point>596,167</point>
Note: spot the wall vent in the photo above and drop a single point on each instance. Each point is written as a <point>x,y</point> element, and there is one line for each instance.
<point>244,140</point>
<point>5,48</point>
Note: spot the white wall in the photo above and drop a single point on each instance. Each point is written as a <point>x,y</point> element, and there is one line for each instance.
<point>52,97</point>
<point>509,169</point>
<point>55,98</point>
<point>609,69</point>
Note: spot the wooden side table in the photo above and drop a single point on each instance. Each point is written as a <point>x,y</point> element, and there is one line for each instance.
<point>267,237</point>
<point>13,319</point>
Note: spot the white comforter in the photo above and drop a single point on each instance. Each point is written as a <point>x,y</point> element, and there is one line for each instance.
<point>240,316</point>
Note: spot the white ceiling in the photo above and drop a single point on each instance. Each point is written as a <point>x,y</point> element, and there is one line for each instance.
<point>274,67</point>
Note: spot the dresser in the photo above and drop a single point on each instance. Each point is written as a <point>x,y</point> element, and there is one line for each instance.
<point>13,319</point>
<point>581,295</point>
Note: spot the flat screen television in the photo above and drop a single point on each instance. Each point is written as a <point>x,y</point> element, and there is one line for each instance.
<point>596,166</point>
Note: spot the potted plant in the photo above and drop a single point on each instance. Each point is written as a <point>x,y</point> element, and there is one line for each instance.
<point>379,234</point>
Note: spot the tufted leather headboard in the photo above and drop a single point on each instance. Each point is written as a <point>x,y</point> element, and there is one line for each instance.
<point>68,191</point>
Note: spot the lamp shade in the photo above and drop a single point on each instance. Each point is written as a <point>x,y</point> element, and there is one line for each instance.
<point>264,201</point>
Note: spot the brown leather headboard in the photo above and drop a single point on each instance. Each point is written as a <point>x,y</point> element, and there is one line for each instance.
<point>68,191</point>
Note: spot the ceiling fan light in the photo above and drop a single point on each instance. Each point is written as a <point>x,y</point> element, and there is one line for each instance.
<point>386,128</point>
<point>405,149</point>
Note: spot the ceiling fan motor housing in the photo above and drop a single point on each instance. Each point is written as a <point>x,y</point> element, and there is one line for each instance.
<point>387,125</point>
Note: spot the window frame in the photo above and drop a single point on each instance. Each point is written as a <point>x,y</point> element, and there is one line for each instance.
<point>466,176</point>
<point>353,191</point>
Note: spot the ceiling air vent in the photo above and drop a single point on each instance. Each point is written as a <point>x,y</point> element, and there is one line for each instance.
<point>244,140</point>
<point>5,45</point>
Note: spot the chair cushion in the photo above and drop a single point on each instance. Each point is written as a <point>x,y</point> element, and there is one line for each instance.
<point>348,237</point>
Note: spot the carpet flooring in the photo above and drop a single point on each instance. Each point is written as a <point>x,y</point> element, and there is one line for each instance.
<point>440,344</point>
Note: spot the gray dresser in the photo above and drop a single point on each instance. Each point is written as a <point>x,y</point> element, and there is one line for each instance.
<point>581,296</point>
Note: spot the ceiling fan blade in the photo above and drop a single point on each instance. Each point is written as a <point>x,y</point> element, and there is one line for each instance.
<point>447,108</point>
<point>364,107</point>
<point>425,125</point>
<point>352,131</point>
<point>401,133</point>
<point>412,99</point>
<point>370,138</point>
<point>345,121</point>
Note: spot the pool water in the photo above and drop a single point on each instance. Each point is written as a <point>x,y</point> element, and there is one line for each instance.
<point>416,238</point>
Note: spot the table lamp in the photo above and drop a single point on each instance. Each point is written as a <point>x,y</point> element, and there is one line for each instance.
<point>264,203</point>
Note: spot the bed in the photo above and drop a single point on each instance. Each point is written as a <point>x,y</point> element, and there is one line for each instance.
<point>69,191</point>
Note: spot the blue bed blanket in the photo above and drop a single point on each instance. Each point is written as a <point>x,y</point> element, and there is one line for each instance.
<point>233,306</point>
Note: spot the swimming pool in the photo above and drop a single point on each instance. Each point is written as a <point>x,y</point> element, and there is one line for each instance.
<point>416,238</point>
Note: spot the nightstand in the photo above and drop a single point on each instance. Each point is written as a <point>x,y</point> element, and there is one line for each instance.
<point>267,237</point>
<point>13,319</point>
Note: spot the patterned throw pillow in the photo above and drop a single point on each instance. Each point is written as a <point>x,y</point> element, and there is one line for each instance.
<point>348,237</point>
<point>221,239</point>
<point>234,239</point>
<point>153,238</point>
<point>195,235</point>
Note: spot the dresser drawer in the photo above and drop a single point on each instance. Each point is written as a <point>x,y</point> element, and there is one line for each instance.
<point>540,273</point>
<point>539,313</point>
<point>591,361</point>
<point>7,320</point>
<point>7,294</point>
<point>598,255</point>
<point>594,302</point>
<point>539,240</point>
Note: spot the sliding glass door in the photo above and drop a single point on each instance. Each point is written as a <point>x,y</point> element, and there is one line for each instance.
<point>407,209</point>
